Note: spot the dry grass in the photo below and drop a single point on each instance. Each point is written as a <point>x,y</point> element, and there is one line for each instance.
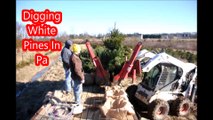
<point>188,45</point>
<point>173,44</point>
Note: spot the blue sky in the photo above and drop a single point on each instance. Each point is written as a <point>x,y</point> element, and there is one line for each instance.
<point>141,16</point>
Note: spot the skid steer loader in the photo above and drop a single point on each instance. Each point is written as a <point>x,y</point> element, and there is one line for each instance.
<point>168,86</point>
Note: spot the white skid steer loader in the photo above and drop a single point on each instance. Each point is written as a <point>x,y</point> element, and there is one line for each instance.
<point>168,86</point>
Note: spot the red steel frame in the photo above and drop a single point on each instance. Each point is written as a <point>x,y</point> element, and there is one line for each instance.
<point>127,67</point>
<point>130,67</point>
<point>100,72</point>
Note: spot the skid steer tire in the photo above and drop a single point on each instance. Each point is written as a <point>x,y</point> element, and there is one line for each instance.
<point>158,109</point>
<point>180,107</point>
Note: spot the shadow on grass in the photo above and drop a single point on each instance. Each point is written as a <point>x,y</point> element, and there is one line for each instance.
<point>30,100</point>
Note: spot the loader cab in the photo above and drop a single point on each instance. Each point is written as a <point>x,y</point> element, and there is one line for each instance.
<point>163,76</point>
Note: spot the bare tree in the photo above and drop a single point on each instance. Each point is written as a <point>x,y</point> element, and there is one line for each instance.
<point>20,31</point>
<point>62,36</point>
